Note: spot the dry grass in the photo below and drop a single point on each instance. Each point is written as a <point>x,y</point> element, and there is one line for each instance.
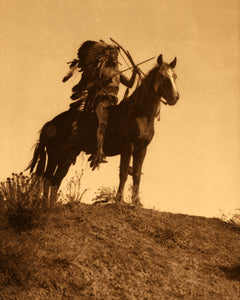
<point>74,193</point>
<point>118,252</point>
<point>22,200</point>
<point>107,194</point>
<point>233,218</point>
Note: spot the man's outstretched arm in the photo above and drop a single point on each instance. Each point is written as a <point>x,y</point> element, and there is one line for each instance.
<point>128,82</point>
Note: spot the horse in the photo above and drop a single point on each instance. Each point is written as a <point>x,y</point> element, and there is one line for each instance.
<point>128,134</point>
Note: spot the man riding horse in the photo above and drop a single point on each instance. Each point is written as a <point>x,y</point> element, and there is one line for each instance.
<point>99,85</point>
<point>130,132</point>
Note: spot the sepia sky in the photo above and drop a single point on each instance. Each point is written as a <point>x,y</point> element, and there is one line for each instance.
<point>193,164</point>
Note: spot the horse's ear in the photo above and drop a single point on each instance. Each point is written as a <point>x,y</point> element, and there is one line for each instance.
<point>173,63</point>
<point>160,60</point>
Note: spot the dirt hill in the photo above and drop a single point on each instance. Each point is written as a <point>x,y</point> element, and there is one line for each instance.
<point>111,252</point>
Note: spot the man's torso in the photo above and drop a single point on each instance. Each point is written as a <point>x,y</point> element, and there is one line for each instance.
<point>111,88</point>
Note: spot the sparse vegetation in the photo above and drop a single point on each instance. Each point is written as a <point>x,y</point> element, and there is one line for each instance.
<point>236,218</point>
<point>112,252</point>
<point>107,194</point>
<point>232,218</point>
<point>22,199</point>
<point>74,193</point>
<point>109,251</point>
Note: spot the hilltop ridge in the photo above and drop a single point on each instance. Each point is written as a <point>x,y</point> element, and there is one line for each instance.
<point>118,252</point>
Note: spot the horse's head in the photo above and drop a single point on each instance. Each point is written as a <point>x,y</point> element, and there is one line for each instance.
<point>165,78</point>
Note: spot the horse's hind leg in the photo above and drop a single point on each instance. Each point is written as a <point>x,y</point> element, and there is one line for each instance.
<point>61,172</point>
<point>138,158</point>
<point>48,176</point>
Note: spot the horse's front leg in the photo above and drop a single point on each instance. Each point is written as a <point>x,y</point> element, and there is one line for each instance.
<point>124,164</point>
<point>138,158</point>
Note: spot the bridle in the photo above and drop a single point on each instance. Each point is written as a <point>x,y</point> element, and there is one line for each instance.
<point>156,94</point>
<point>160,92</point>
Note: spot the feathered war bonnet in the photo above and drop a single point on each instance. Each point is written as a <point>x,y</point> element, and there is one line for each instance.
<point>92,57</point>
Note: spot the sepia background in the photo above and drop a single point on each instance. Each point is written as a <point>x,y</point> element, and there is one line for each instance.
<point>193,164</point>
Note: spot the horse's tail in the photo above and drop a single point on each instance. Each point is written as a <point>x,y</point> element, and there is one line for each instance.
<point>39,159</point>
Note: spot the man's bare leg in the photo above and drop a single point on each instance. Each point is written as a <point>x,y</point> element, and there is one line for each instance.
<point>102,115</point>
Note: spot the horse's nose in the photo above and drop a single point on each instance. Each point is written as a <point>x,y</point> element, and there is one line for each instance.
<point>177,96</point>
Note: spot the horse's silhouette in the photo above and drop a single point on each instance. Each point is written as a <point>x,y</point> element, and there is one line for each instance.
<point>130,130</point>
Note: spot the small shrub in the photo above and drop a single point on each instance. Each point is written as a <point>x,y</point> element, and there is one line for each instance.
<point>105,194</point>
<point>235,219</point>
<point>23,200</point>
<point>108,195</point>
<point>74,193</point>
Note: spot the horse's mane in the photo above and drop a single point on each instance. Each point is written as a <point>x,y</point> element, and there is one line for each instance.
<point>142,89</point>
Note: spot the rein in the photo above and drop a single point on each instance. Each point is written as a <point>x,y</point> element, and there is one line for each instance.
<point>163,101</point>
